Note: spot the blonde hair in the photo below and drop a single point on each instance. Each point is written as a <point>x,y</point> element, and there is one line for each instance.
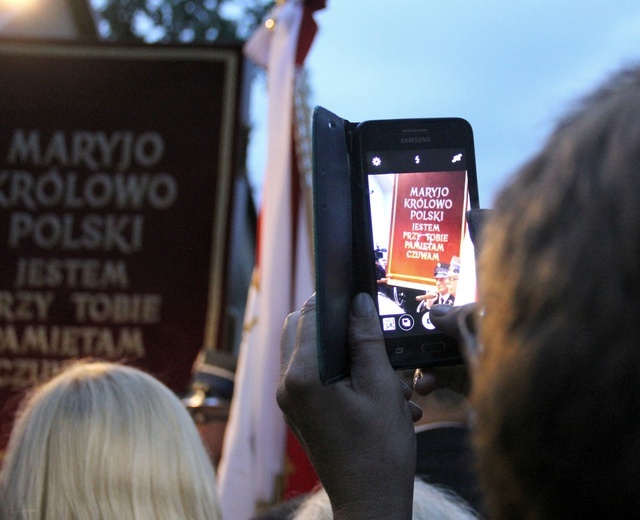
<point>429,503</point>
<point>106,441</point>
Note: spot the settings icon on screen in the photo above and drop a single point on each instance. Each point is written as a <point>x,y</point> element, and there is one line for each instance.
<point>376,161</point>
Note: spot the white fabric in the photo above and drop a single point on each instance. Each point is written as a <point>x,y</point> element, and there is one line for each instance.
<point>467,292</point>
<point>253,456</point>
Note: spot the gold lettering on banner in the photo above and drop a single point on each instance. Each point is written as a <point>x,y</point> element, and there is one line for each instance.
<point>26,372</point>
<point>25,305</point>
<point>116,308</point>
<point>71,273</point>
<point>72,341</point>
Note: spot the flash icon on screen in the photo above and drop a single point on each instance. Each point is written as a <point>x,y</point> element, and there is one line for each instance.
<point>457,158</point>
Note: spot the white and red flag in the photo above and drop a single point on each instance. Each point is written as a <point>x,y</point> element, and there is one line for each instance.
<point>252,468</point>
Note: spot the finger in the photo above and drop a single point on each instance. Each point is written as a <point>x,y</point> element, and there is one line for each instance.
<point>306,340</point>
<point>447,318</point>
<point>288,340</point>
<point>424,382</point>
<point>442,317</point>
<point>416,411</point>
<point>303,364</point>
<point>406,390</point>
<point>369,360</point>
<point>454,377</point>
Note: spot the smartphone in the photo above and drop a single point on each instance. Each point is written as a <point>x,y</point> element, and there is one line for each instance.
<point>390,204</point>
<point>419,181</point>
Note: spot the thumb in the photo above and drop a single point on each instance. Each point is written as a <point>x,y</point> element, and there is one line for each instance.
<point>366,344</point>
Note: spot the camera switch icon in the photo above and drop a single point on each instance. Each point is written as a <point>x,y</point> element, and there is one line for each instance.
<point>406,322</point>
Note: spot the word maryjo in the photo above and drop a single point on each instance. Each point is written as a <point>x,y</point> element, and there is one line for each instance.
<point>92,150</point>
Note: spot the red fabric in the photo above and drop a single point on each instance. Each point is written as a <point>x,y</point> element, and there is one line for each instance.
<point>308,29</point>
<point>300,477</point>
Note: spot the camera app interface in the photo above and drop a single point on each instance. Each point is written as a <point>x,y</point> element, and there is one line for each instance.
<point>423,255</point>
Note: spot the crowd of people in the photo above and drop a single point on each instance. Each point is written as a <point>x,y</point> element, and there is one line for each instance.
<point>553,362</point>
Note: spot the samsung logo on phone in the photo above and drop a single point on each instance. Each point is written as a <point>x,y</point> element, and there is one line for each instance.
<point>413,140</point>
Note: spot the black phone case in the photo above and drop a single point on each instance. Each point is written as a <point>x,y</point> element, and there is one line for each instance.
<point>332,207</point>
<point>338,204</point>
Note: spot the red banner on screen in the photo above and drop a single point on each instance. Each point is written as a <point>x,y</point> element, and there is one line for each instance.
<point>427,225</point>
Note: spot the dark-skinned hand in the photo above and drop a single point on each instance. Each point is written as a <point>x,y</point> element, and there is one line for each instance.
<point>358,432</point>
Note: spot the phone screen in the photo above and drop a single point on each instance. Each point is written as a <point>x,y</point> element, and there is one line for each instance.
<point>422,252</point>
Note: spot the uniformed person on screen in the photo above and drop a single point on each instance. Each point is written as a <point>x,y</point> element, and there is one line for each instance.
<point>441,295</point>
<point>452,278</point>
